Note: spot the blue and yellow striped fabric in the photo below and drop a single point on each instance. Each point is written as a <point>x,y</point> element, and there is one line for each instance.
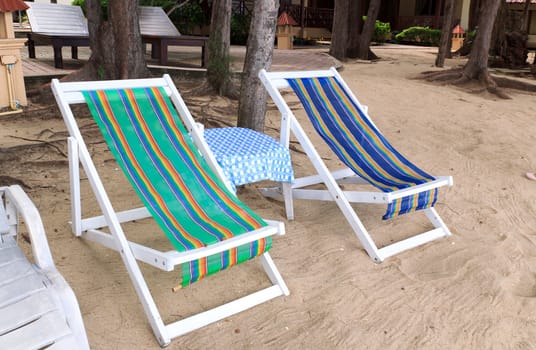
<point>359,144</point>
<point>192,206</point>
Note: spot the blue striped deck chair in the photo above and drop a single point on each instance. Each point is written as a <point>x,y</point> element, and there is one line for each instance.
<point>343,123</point>
<point>162,153</point>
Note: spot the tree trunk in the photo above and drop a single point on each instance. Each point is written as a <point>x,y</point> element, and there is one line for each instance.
<point>510,38</point>
<point>368,30</point>
<point>339,32</point>
<point>446,34</point>
<point>498,39</point>
<point>355,25</point>
<point>115,42</point>
<point>260,48</point>
<point>526,16</point>
<point>218,66</point>
<point>477,65</point>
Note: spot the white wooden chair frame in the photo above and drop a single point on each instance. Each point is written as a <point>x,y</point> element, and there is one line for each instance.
<point>71,93</point>
<point>275,81</point>
<point>38,308</point>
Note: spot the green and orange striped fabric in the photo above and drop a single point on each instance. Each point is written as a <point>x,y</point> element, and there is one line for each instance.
<point>188,200</point>
<point>359,144</point>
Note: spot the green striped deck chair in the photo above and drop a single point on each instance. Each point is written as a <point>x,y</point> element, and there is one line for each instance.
<point>343,123</point>
<point>161,151</point>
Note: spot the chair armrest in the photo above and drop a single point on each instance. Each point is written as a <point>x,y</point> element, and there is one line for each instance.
<point>4,226</point>
<point>27,210</point>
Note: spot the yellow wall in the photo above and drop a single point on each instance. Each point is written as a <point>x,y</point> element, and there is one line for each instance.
<point>464,13</point>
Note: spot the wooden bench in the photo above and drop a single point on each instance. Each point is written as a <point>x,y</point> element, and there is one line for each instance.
<point>58,26</point>
<point>158,30</point>
<point>65,25</point>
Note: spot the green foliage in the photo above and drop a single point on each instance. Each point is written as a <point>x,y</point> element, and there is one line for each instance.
<point>240,29</point>
<point>185,18</point>
<point>82,4</point>
<point>382,31</point>
<point>218,73</point>
<point>420,36</point>
<point>100,72</point>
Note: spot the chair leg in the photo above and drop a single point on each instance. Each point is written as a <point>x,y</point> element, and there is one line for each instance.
<point>286,189</point>
<point>74,178</point>
<point>436,220</point>
<point>273,273</point>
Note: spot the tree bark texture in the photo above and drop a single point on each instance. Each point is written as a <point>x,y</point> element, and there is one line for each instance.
<point>260,48</point>
<point>477,65</point>
<point>526,16</point>
<point>368,30</point>
<point>346,34</point>
<point>218,66</point>
<point>355,25</point>
<point>446,34</point>
<point>115,42</point>
<point>509,38</point>
<point>339,32</point>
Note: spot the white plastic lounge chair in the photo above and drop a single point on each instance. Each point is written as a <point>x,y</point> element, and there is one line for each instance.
<point>164,156</point>
<point>344,124</point>
<point>38,309</point>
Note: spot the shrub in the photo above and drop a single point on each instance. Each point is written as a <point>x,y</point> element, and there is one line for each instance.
<point>240,29</point>
<point>82,4</point>
<point>382,31</point>
<point>187,17</point>
<point>420,35</point>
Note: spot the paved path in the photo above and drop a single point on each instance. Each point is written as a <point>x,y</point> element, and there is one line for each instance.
<point>185,58</point>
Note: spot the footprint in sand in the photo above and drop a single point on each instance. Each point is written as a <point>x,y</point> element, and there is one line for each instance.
<point>522,284</point>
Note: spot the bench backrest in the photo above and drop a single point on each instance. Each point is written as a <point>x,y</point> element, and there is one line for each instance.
<point>57,19</point>
<point>155,22</point>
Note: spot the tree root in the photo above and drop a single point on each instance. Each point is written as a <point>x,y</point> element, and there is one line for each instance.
<point>441,75</point>
<point>48,143</point>
<point>216,122</point>
<point>8,180</point>
<point>515,84</point>
<point>293,147</point>
<point>486,82</point>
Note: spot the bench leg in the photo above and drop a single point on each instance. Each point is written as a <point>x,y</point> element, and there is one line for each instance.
<point>31,47</point>
<point>74,52</point>
<point>58,59</point>
<point>203,57</point>
<point>155,50</point>
<point>163,49</point>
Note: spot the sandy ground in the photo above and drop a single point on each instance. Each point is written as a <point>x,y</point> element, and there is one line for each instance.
<point>474,290</point>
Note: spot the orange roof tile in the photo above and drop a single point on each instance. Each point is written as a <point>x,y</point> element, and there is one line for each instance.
<point>458,30</point>
<point>12,5</point>
<point>286,20</point>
